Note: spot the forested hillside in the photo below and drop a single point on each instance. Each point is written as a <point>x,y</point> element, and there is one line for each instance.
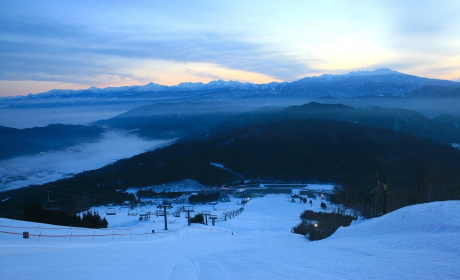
<point>299,150</point>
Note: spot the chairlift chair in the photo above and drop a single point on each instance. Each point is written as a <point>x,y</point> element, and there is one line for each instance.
<point>177,213</point>
<point>166,202</point>
<point>110,211</point>
<point>123,207</point>
<point>83,205</point>
<point>132,212</point>
<point>51,204</point>
<point>143,215</point>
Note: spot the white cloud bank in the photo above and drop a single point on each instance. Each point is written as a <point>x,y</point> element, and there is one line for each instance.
<point>54,165</point>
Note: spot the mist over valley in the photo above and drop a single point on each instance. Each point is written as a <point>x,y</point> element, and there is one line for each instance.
<point>109,148</point>
<point>229,140</point>
<point>125,121</point>
<point>48,166</point>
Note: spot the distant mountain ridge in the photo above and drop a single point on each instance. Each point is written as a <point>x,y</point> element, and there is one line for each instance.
<point>199,119</point>
<point>376,72</point>
<point>128,91</point>
<point>378,82</point>
<point>444,129</point>
<point>311,142</point>
<point>295,150</point>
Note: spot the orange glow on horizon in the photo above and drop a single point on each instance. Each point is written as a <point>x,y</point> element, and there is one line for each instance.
<point>172,78</point>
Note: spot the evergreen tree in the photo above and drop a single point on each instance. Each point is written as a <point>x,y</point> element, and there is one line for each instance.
<point>36,213</point>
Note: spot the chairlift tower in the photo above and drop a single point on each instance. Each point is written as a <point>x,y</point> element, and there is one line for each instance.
<point>188,209</point>
<point>165,205</point>
<point>206,214</point>
<point>213,218</point>
<point>385,185</point>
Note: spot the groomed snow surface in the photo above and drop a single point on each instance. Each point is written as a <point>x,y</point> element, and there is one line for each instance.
<point>417,242</point>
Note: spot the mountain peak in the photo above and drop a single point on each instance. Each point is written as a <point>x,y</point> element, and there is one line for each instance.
<point>376,72</point>
<point>381,71</point>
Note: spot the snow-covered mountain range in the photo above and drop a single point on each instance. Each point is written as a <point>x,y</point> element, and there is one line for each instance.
<point>152,88</point>
<point>378,82</point>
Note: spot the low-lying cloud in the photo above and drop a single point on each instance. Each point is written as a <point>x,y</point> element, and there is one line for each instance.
<point>53,165</point>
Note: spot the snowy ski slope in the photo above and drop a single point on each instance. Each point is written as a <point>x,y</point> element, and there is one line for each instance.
<point>417,242</point>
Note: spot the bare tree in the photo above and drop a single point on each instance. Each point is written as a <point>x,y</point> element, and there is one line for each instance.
<point>338,209</point>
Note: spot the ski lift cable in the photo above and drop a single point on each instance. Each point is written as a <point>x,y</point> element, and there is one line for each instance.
<point>63,194</point>
<point>51,184</point>
<point>26,173</point>
<point>47,184</point>
<point>20,171</point>
<point>54,192</point>
<point>42,182</point>
<point>71,195</point>
<point>15,169</point>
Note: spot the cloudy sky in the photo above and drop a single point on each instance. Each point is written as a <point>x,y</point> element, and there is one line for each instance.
<point>77,44</point>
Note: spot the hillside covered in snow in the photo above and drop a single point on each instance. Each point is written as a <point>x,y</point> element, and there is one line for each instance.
<point>416,242</point>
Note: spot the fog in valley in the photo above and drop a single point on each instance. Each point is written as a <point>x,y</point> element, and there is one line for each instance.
<point>115,145</point>
<point>53,165</point>
<point>30,115</point>
<point>231,139</point>
<point>36,117</point>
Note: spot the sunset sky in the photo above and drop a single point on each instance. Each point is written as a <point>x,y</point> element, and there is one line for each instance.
<point>78,44</point>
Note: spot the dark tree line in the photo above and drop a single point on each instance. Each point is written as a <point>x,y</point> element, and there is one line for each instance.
<point>153,194</point>
<point>436,181</point>
<point>289,151</point>
<point>320,225</point>
<point>36,213</point>
<point>198,219</point>
<point>94,196</point>
<point>204,198</point>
